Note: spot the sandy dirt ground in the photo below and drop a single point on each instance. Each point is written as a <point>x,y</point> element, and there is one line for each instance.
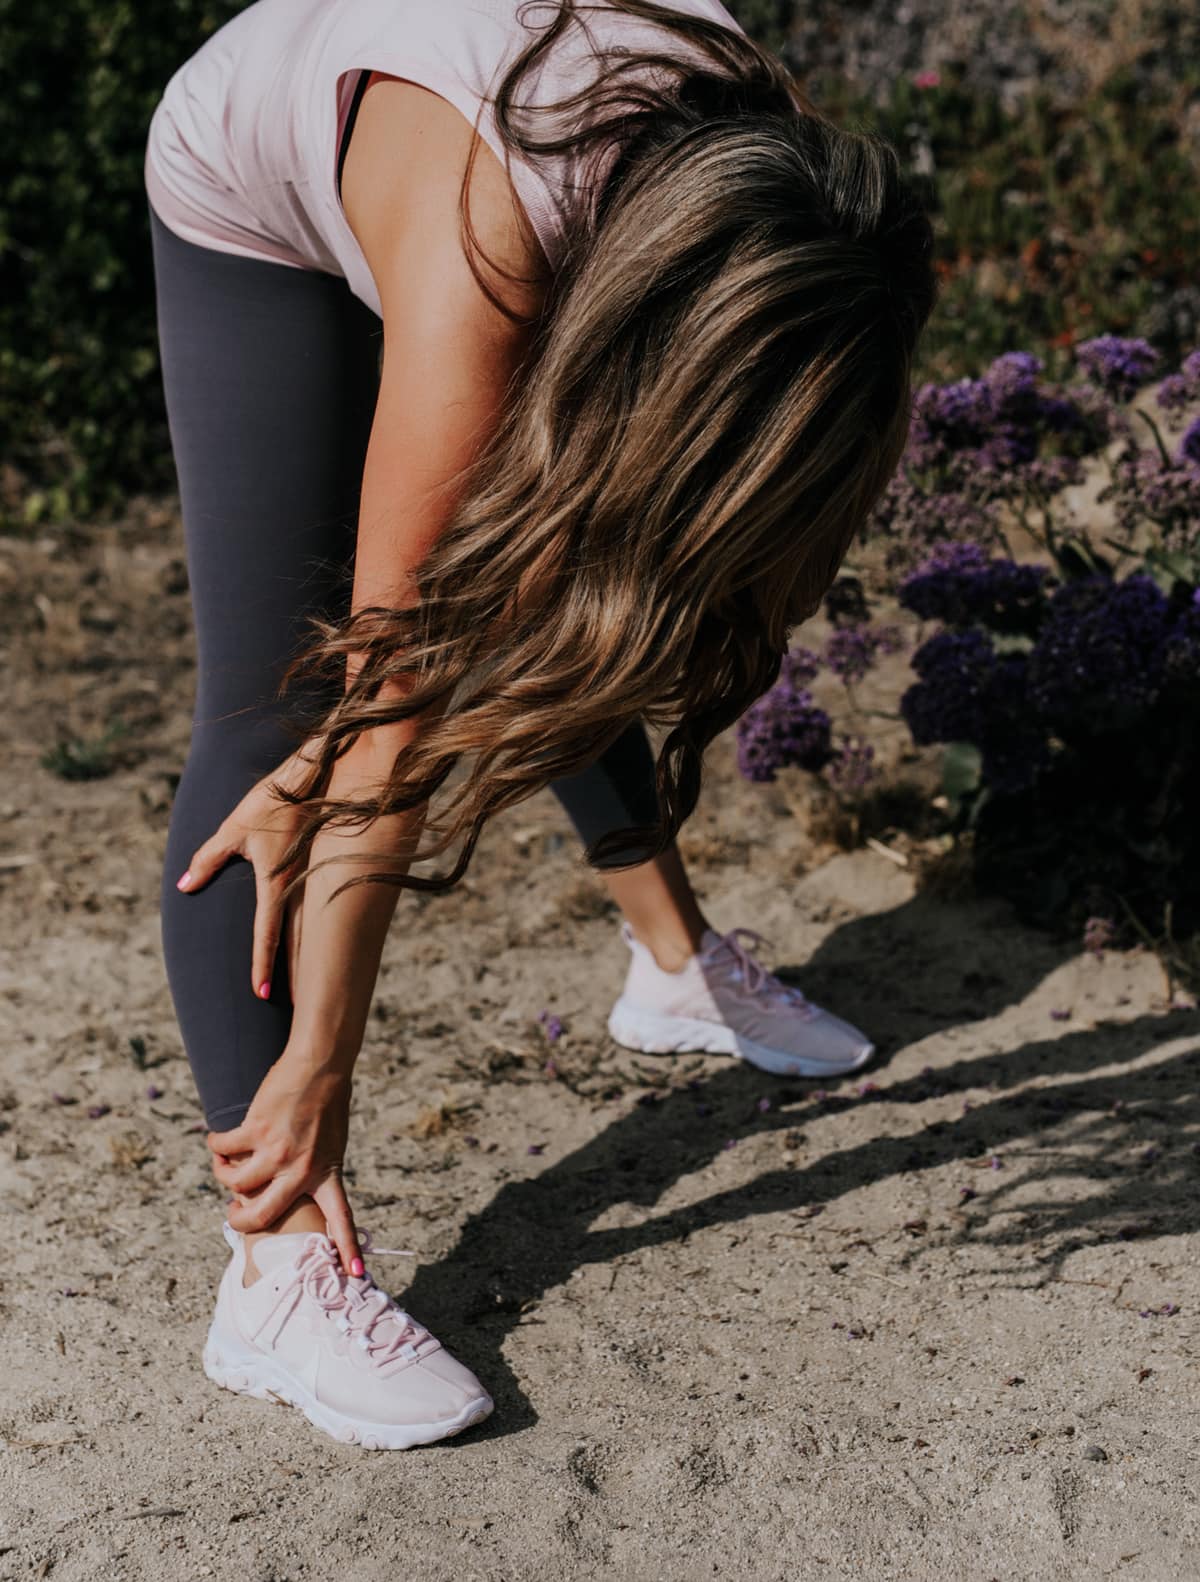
<point>936,1321</point>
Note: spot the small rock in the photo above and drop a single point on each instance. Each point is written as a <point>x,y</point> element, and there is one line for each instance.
<point>1094,1453</point>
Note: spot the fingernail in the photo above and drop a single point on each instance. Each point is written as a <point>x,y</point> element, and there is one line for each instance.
<point>356,1267</point>
<point>264,989</point>
<point>183,882</point>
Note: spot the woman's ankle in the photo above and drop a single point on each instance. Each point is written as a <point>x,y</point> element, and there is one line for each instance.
<point>303,1215</point>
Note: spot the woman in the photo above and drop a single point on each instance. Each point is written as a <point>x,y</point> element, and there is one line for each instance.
<point>647,329</point>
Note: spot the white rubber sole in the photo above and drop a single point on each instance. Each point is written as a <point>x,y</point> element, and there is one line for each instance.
<point>228,1363</point>
<point>654,1034</point>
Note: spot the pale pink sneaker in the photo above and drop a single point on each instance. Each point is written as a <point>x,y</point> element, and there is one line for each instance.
<point>310,1335</point>
<point>724,1002</point>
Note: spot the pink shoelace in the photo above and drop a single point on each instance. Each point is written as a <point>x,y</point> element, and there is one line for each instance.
<point>754,975</point>
<point>378,1326</point>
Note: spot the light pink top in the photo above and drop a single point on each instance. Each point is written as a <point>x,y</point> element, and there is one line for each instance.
<point>242,148</point>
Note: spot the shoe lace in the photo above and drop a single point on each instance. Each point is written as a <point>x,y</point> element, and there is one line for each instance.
<point>753,976</point>
<point>358,1306</point>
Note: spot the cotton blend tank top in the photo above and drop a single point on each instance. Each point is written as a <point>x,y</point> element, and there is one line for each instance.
<point>242,149</point>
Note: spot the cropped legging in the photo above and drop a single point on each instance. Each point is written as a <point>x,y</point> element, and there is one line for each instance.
<point>270,375</point>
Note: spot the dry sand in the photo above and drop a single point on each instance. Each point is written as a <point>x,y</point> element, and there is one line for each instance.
<point>735,1328</point>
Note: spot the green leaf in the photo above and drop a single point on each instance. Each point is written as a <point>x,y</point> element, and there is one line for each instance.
<point>961,771</point>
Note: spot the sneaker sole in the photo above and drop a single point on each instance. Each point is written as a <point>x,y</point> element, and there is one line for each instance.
<point>653,1034</point>
<point>228,1363</point>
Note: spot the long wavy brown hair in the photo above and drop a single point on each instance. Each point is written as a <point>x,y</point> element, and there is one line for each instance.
<point>716,393</point>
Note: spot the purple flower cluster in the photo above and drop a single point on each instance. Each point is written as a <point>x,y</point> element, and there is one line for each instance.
<point>1099,933</point>
<point>781,728</point>
<point>947,704</point>
<point>1180,390</point>
<point>913,519</point>
<point>800,667</point>
<point>853,766</point>
<point>967,692</point>
<point>1094,661</point>
<point>989,431</point>
<point>1119,365</point>
<point>1098,659</point>
<point>961,583</point>
<point>852,650</point>
<point>1145,488</point>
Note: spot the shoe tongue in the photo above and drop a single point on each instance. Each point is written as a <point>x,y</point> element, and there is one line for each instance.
<point>276,1252</point>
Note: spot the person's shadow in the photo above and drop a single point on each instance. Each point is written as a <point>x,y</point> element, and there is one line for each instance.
<point>534,1233</point>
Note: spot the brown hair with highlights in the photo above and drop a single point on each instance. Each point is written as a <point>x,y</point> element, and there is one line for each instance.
<point>715,396</point>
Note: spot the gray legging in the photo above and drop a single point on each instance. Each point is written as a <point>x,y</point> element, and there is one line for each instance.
<point>270,375</point>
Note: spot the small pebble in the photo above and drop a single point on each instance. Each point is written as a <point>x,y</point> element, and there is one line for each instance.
<point>1094,1453</point>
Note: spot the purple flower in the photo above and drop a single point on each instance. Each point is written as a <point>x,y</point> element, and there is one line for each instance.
<point>1098,934</point>
<point>852,768</point>
<point>966,1193</point>
<point>799,667</point>
<point>1189,445</point>
<point>961,583</point>
<point>153,1091</point>
<point>989,429</point>
<point>783,727</point>
<point>1144,488</point>
<point>852,650</point>
<point>1180,389</point>
<point>966,692</point>
<point>1117,364</point>
<point>914,518</point>
<point>551,1026</point>
<point>945,704</point>
<point>1098,660</point>
<point>95,1111</point>
<point>536,1148</point>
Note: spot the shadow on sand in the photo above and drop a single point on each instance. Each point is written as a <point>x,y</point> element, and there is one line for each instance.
<point>919,969</point>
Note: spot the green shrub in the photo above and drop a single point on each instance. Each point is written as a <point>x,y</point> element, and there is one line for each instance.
<point>81,416</point>
<point>1050,223</point>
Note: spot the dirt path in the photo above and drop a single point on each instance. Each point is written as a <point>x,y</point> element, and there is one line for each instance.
<point>735,1328</point>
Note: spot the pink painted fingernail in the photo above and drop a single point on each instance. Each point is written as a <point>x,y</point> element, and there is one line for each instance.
<point>264,989</point>
<point>183,882</point>
<point>356,1268</point>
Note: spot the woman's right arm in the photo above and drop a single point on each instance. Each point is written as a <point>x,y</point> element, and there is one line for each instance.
<point>448,357</point>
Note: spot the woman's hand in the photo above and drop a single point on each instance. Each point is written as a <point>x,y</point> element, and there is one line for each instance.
<point>291,1142</point>
<point>260,828</point>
